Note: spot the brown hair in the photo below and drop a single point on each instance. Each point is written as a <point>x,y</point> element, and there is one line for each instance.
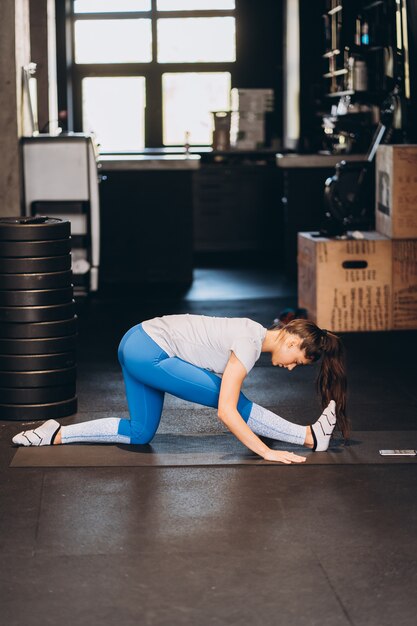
<point>331,382</point>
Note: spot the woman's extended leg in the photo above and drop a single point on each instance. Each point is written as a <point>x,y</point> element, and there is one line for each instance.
<point>317,436</point>
<point>268,424</point>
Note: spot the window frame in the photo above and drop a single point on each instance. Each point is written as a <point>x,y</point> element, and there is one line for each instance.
<point>152,71</point>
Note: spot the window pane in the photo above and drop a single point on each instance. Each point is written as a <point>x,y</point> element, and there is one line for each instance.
<point>98,6</point>
<point>113,41</point>
<point>194,5</point>
<point>193,40</point>
<point>188,100</point>
<point>114,109</point>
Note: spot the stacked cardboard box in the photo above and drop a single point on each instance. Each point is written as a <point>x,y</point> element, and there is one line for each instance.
<point>396,217</point>
<point>371,283</point>
<point>345,284</point>
<point>248,117</point>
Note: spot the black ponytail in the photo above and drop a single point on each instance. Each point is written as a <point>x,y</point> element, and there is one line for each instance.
<point>321,344</point>
<point>332,381</point>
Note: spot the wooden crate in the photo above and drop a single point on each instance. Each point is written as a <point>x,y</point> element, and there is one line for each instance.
<point>346,284</point>
<point>404,283</point>
<point>396,191</point>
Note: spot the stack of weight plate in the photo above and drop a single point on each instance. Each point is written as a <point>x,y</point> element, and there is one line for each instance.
<point>37,321</point>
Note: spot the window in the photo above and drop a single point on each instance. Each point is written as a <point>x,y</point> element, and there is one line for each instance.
<point>188,101</point>
<point>194,40</point>
<point>115,41</point>
<point>114,110</point>
<point>150,72</point>
<point>194,5</point>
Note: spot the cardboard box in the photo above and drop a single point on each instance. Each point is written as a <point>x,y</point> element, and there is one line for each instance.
<point>404,283</point>
<point>346,284</point>
<point>256,100</point>
<point>247,131</point>
<point>396,191</point>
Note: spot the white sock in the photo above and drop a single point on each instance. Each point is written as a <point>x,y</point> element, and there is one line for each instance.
<point>268,424</point>
<point>41,436</point>
<point>322,429</point>
<point>104,430</point>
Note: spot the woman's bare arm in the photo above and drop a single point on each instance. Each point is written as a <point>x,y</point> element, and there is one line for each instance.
<point>232,380</point>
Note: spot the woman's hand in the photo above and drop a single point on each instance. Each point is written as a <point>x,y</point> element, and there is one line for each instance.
<point>232,380</point>
<point>282,456</point>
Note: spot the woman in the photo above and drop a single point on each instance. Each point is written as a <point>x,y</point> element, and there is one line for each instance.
<point>183,355</point>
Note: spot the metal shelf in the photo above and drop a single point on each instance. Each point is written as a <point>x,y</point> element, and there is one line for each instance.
<point>335,73</point>
<point>372,5</point>
<point>331,53</point>
<point>338,94</point>
<point>336,9</point>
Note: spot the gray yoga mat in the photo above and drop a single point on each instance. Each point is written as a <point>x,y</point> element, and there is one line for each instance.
<point>169,450</point>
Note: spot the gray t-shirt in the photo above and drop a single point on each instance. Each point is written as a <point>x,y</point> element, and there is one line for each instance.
<point>208,341</point>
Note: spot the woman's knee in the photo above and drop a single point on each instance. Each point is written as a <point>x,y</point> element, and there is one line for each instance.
<point>141,438</point>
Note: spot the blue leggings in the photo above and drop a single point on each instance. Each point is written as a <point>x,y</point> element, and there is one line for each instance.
<point>149,372</point>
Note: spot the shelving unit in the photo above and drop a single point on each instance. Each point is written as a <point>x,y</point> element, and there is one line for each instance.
<point>336,27</point>
<point>365,66</point>
<point>360,43</point>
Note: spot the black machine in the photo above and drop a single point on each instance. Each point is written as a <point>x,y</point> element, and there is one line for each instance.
<point>349,195</point>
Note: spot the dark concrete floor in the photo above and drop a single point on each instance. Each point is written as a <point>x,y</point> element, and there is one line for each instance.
<point>283,545</point>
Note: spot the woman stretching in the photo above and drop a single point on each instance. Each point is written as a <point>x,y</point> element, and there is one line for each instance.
<point>183,355</point>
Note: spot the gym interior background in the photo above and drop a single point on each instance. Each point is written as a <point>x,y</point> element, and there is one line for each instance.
<point>107,119</point>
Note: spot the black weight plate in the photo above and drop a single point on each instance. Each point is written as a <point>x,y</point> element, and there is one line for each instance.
<point>33,228</point>
<point>37,395</point>
<point>31,249</point>
<point>52,280</point>
<point>38,313</point>
<point>40,330</point>
<point>37,265</point>
<point>36,362</point>
<point>36,297</point>
<point>44,378</point>
<point>26,314</point>
<point>30,412</point>
<point>51,345</point>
